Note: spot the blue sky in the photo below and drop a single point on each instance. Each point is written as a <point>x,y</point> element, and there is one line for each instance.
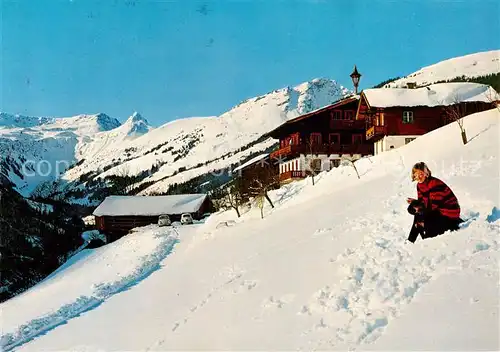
<point>170,59</point>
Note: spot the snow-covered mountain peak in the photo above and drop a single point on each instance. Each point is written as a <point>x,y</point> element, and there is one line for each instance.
<point>136,125</point>
<point>21,121</point>
<point>137,117</point>
<point>318,92</point>
<point>105,122</point>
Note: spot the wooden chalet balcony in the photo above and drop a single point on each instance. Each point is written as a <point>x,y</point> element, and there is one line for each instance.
<point>285,151</point>
<point>299,149</point>
<point>290,175</point>
<point>347,124</point>
<point>375,132</point>
<point>363,149</point>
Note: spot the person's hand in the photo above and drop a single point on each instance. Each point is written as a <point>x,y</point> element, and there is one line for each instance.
<point>409,200</point>
<point>420,224</point>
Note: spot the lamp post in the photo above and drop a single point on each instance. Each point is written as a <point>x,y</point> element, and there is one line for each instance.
<point>355,76</point>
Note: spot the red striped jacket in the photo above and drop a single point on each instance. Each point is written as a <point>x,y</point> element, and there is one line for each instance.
<point>436,195</point>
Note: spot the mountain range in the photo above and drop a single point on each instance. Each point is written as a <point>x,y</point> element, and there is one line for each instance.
<point>42,149</point>
<point>75,150</point>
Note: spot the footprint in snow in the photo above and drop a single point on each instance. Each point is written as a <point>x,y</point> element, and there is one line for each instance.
<point>273,302</point>
<point>245,285</point>
<point>322,231</point>
<point>321,324</point>
<point>305,311</point>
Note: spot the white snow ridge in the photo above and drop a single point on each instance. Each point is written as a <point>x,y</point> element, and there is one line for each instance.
<point>473,65</point>
<point>329,268</point>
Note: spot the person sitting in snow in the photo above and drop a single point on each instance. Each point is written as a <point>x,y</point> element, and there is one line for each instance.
<point>436,210</point>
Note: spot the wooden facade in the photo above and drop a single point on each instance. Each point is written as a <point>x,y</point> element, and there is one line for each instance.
<point>414,120</point>
<point>116,226</point>
<point>328,133</point>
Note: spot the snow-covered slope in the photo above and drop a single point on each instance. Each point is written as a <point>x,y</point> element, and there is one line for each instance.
<point>473,65</point>
<point>327,269</point>
<point>135,147</point>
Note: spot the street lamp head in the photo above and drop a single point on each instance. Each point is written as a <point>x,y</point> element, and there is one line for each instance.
<point>355,76</point>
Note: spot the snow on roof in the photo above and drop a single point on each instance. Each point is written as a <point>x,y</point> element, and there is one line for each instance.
<point>150,205</point>
<point>440,94</point>
<point>251,161</point>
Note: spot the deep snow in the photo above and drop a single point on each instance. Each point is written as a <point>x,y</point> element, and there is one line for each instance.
<point>328,268</point>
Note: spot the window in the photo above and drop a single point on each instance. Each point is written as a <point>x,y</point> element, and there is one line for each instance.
<point>337,114</point>
<point>334,163</point>
<point>290,140</point>
<point>357,139</point>
<point>408,140</point>
<point>315,138</point>
<point>407,116</point>
<point>349,115</point>
<point>297,165</point>
<point>315,165</point>
<point>334,138</point>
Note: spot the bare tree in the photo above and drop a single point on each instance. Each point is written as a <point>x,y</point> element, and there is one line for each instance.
<point>352,162</point>
<point>493,98</point>
<point>260,203</point>
<point>311,162</point>
<point>233,198</point>
<point>260,187</point>
<point>456,112</point>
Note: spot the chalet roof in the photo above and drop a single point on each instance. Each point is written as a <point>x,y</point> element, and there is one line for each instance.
<point>251,161</point>
<point>150,205</point>
<point>336,104</point>
<point>440,94</point>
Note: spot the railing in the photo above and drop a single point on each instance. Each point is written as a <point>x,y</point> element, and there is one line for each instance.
<point>364,149</point>
<point>299,149</point>
<point>347,124</point>
<point>375,131</point>
<point>288,175</point>
<point>282,152</point>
